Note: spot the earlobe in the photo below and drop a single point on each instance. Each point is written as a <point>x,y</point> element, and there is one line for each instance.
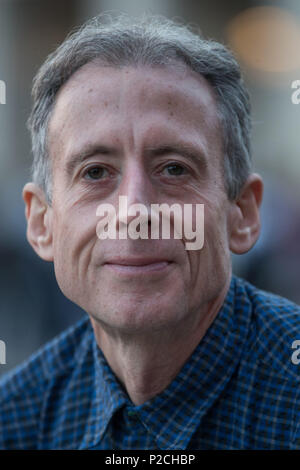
<point>39,221</point>
<point>245,220</point>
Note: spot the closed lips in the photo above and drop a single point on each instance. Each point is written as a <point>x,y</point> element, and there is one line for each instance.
<point>137,261</point>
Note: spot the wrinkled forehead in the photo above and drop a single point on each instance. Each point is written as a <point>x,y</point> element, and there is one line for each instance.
<point>95,89</point>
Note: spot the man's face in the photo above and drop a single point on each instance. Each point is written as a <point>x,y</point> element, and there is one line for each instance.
<point>153,135</point>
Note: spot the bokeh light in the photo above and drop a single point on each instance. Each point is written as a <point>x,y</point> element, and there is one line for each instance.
<point>266,39</point>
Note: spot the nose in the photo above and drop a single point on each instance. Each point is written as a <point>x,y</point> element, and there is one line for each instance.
<point>136,184</point>
<point>137,187</point>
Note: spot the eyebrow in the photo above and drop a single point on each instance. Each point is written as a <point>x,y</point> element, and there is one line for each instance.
<point>186,150</point>
<point>90,151</point>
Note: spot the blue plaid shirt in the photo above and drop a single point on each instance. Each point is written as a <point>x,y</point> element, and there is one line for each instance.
<point>238,390</point>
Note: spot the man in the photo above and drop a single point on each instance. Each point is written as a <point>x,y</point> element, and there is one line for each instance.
<point>176,353</point>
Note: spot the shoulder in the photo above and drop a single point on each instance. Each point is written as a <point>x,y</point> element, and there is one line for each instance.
<point>270,366</point>
<point>274,329</point>
<point>54,358</point>
<point>23,390</point>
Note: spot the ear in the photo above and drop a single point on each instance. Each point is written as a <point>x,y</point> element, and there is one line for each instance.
<point>39,221</point>
<point>245,220</point>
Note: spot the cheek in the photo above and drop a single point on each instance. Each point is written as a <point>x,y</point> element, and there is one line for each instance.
<point>74,237</point>
<point>63,260</point>
<point>216,239</point>
<point>73,227</point>
<point>215,254</point>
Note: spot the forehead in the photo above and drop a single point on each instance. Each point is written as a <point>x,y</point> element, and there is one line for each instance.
<point>101,98</point>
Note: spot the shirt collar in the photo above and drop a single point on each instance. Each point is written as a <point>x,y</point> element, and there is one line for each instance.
<point>175,414</point>
<point>107,397</point>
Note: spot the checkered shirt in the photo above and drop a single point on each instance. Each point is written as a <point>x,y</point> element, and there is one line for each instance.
<point>240,388</point>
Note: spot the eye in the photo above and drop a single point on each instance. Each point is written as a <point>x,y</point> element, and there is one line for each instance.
<point>95,173</point>
<point>175,169</point>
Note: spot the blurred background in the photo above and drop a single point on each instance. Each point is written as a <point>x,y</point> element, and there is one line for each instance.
<point>265,36</point>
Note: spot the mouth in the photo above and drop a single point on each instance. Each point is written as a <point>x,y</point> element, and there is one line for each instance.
<point>132,266</point>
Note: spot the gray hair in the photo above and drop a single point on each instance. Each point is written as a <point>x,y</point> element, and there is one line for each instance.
<point>150,40</point>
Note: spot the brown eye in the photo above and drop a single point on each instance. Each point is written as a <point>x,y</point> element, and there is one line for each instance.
<point>95,173</point>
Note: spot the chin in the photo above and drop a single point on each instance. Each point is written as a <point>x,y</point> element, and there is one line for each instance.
<point>143,315</point>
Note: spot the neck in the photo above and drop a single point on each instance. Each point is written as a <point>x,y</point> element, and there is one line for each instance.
<point>146,363</point>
